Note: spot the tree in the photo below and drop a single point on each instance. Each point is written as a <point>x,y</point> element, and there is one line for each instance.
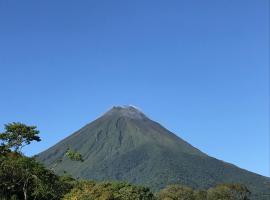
<point>70,154</point>
<point>22,177</point>
<point>228,192</point>
<point>73,155</point>
<point>176,192</point>
<point>27,179</point>
<point>89,190</point>
<point>16,136</point>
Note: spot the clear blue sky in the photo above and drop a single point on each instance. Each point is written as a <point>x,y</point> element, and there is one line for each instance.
<point>200,68</point>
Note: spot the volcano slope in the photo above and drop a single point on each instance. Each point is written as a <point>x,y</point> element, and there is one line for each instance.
<point>124,144</point>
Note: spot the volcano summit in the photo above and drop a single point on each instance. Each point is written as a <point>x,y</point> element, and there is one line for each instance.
<point>124,144</point>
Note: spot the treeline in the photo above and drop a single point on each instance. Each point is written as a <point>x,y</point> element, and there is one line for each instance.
<point>23,178</point>
<point>87,190</point>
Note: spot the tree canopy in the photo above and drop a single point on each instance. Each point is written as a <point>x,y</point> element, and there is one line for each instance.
<point>229,192</point>
<point>219,192</point>
<point>73,155</point>
<point>25,178</point>
<point>17,135</point>
<point>89,190</point>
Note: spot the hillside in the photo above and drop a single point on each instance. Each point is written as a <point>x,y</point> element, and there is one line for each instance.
<point>124,144</point>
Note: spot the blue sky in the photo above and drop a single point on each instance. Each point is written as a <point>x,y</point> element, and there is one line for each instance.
<point>200,68</point>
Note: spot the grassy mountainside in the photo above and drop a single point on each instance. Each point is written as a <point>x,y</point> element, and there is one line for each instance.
<point>125,145</point>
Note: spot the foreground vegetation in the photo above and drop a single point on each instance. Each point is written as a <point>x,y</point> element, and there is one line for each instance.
<point>25,178</point>
<point>86,190</point>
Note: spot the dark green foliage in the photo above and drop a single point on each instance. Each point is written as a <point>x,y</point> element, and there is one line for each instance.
<point>88,190</point>
<point>3,151</point>
<point>22,177</point>
<point>25,178</point>
<point>73,155</point>
<point>229,192</point>
<point>220,192</point>
<point>176,192</point>
<point>17,135</point>
<point>200,195</point>
<point>125,145</point>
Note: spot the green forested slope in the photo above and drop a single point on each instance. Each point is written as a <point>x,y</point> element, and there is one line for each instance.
<point>125,145</point>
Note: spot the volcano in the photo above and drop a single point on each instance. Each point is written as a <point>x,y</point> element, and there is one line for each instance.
<point>124,144</point>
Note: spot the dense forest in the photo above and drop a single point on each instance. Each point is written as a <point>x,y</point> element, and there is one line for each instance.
<point>24,178</point>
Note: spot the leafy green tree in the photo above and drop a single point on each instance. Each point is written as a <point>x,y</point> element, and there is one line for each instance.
<point>70,154</point>
<point>176,192</point>
<point>228,192</point>
<point>88,190</point>
<point>27,179</point>
<point>73,155</point>
<point>22,177</point>
<point>16,136</point>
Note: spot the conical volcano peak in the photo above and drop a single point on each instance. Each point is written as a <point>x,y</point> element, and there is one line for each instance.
<point>125,145</point>
<point>127,111</point>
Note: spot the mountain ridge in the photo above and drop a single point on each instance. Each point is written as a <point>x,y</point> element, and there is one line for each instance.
<point>124,144</point>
